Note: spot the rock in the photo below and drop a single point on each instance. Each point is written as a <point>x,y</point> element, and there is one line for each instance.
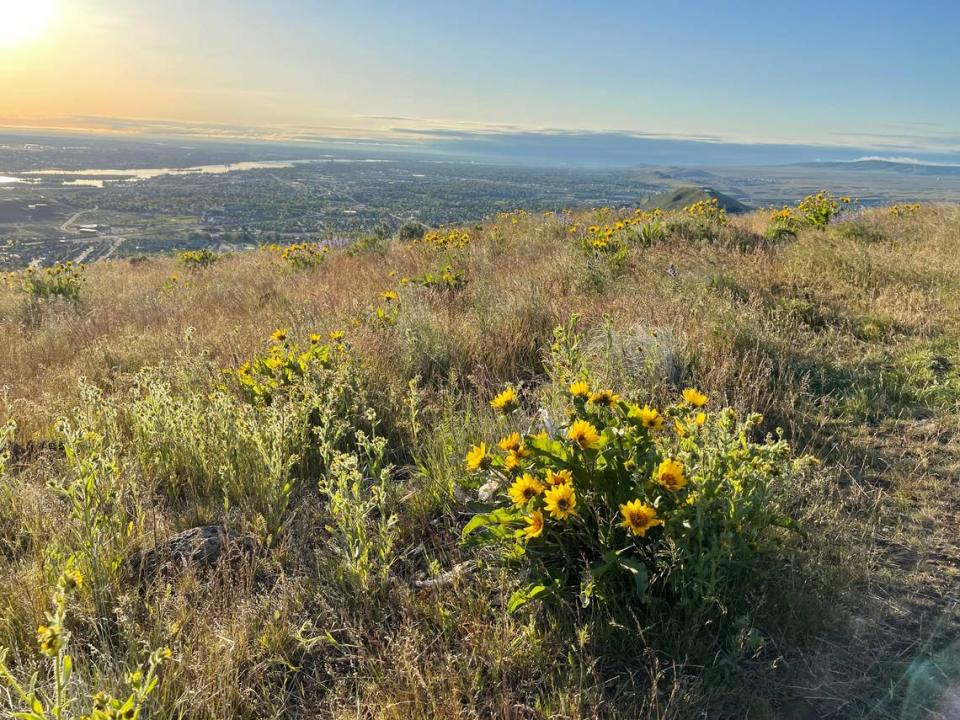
<point>199,547</point>
<point>22,454</point>
<point>446,578</point>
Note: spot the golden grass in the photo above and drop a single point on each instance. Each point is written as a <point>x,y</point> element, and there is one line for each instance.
<point>817,333</point>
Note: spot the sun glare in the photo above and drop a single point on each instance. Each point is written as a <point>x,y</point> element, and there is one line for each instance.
<point>24,20</point>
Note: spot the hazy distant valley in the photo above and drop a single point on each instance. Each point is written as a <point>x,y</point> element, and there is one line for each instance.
<point>87,198</point>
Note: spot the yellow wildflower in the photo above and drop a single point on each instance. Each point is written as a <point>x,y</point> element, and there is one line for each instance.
<point>694,397</point>
<point>477,458</point>
<point>605,397</point>
<point>50,639</point>
<point>335,335</point>
<point>580,389</point>
<point>71,580</point>
<point>390,296</point>
<point>279,335</point>
<point>638,517</point>
<point>511,442</point>
<point>584,434</point>
<point>560,477</point>
<point>534,526</point>
<point>648,417</point>
<point>524,489</point>
<point>701,418</point>
<point>561,501</point>
<point>670,475</point>
<point>512,461</point>
<point>506,400</point>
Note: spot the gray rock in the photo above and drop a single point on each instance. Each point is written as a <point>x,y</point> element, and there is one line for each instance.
<point>199,547</point>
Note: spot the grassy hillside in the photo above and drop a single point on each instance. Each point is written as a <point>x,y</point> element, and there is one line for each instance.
<point>679,198</point>
<point>318,408</point>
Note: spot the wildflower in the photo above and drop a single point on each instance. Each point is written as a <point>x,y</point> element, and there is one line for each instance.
<point>648,417</point>
<point>279,335</point>
<point>50,639</point>
<point>606,398</point>
<point>560,477</point>
<point>512,461</point>
<point>511,442</point>
<point>477,458</point>
<point>534,525</point>
<point>506,400</point>
<point>580,389</point>
<point>390,296</point>
<point>561,501</point>
<point>71,580</point>
<point>679,429</point>
<point>335,335</point>
<point>314,338</point>
<point>694,397</point>
<point>524,489</point>
<point>670,475</point>
<point>638,517</point>
<point>701,418</point>
<point>584,434</point>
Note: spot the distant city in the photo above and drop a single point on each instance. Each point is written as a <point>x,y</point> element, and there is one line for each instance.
<point>88,198</point>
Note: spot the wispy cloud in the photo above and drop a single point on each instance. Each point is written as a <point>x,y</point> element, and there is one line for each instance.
<point>501,142</point>
<point>903,160</point>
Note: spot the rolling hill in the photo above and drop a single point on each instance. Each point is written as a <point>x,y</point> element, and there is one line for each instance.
<point>681,197</point>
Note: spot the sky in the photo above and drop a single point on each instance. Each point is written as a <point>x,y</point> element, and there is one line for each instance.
<point>878,76</point>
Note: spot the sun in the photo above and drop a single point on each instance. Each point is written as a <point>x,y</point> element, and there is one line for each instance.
<point>24,20</point>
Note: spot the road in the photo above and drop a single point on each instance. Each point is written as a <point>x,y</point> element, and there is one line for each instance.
<point>73,218</point>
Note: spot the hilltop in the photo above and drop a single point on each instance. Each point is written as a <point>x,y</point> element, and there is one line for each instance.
<point>338,482</point>
<point>887,166</point>
<point>681,197</point>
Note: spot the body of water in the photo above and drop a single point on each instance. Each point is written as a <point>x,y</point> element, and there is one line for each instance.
<point>136,174</point>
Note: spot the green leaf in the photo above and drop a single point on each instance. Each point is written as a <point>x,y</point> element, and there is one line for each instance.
<point>638,570</point>
<point>524,595</point>
<point>599,569</point>
<point>501,517</point>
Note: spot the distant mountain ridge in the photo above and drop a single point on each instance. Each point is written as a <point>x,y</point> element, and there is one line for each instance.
<point>679,198</point>
<point>879,165</point>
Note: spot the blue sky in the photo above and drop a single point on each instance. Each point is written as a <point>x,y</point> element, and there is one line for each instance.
<point>874,75</point>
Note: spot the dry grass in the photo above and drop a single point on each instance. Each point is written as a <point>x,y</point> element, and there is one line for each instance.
<point>849,339</point>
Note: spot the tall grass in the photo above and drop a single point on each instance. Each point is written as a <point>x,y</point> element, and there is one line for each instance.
<point>354,596</point>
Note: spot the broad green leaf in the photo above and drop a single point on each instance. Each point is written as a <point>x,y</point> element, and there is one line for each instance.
<point>639,572</point>
<point>524,595</point>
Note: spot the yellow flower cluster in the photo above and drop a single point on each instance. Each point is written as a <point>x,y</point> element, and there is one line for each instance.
<point>708,210</point>
<point>301,255</point>
<point>447,279</point>
<point>610,235</point>
<point>454,238</point>
<point>198,258</point>
<point>59,280</point>
<point>816,211</point>
<point>904,209</point>
<point>610,456</point>
<point>285,364</point>
<point>614,502</point>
